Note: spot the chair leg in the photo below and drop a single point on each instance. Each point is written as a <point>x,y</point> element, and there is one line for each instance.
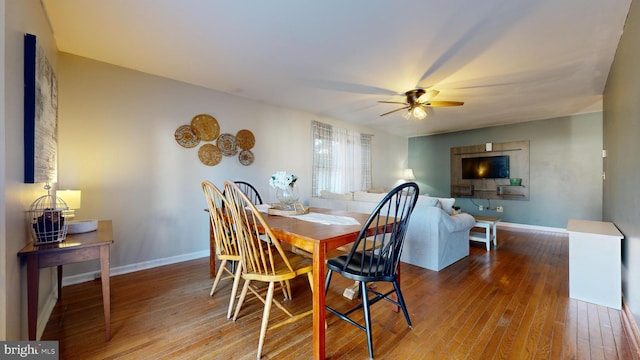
<point>327,281</point>
<point>243,294</point>
<point>403,306</point>
<point>234,290</point>
<point>310,277</point>
<point>265,318</point>
<point>367,316</point>
<point>218,276</point>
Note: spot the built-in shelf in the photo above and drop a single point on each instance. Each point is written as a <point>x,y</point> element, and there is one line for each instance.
<point>499,189</point>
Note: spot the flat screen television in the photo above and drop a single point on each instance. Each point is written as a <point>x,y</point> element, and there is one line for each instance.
<point>486,167</point>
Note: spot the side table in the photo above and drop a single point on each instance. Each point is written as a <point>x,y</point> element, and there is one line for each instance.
<point>595,262</point>
<point>487,223</point>
<point>75,248</point>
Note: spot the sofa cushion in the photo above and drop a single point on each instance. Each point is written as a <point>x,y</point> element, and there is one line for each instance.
<point>331,195</point>
<point>368,197</point>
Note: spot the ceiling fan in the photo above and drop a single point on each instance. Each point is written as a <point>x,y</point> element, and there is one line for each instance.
<point>417,102</point>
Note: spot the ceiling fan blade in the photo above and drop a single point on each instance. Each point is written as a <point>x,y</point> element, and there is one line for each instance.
<point>444,103</point>
<point>393,102</point>
<point>428,95</point>
<point>392,111</point>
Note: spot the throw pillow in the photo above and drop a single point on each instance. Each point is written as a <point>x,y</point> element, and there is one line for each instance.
<point>447,204</point>
<point>427,201</point>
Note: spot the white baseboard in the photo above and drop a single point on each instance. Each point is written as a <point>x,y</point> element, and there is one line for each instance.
<point>531,227</point>
<point>90,276</point>
<point>45,314</point>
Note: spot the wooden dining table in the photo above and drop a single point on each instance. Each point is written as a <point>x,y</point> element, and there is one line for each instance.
<point>317,239</point>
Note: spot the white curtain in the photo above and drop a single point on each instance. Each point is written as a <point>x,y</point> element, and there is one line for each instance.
<point>341,161</point>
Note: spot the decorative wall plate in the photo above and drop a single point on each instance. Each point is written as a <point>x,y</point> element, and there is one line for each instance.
<point>186,137</point>
<point>206,126</point>
<point>227,144</point>
<point>246,157</point>
<point>209,154</point>
<point>245,139</point>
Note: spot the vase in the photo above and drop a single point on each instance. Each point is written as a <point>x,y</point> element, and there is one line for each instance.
<point>288,196</point>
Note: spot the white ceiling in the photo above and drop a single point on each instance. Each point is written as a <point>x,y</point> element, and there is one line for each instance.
<point>508,60</point>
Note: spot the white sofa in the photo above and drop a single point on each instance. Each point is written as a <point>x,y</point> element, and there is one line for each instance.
<point>435,238</point>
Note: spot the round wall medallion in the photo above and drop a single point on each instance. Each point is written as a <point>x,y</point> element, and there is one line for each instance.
<point>245,139</point>
<point>186,137</point>
<point>246,157</point>
<point>227,144</point>
<point>206,126</point>
<point>209,154</point>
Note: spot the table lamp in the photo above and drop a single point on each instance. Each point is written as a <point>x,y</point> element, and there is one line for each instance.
<point>72,198</point>
<point>408,175</point>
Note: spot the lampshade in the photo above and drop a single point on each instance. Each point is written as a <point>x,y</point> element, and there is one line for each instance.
<point>70,197</point>
<point>408,174</point>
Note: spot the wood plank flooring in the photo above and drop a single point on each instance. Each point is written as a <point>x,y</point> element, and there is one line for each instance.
<point>509,303</point>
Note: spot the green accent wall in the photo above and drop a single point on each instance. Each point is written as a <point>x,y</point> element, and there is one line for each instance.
<point>622,165</point>
<point>565,169</point>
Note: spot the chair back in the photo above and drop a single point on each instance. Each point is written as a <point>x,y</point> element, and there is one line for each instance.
<point>376,252</point>
<point>221,220</point>
<point>250,191</point>
<point>260,250</point>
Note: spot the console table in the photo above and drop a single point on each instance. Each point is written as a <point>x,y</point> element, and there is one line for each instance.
<point>489,225</point>
<point>595,262</point>
<point>75,248</point>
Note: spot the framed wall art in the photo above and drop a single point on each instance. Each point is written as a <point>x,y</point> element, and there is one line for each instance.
<point>40,115</point>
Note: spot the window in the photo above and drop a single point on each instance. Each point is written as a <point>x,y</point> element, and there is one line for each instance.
<point>341,159</point>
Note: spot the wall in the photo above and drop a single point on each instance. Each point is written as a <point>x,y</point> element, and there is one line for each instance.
<point>621,131</point>
<point>565,168</point>
<point>117,146</point>
<point>18,18</point>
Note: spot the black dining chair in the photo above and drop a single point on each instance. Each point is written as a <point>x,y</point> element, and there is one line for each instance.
<point>250,191</point>
<point>375,255</point>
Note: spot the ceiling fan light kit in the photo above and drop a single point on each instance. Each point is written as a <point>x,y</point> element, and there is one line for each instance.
<point>418,113</point>
<point>417,102</point>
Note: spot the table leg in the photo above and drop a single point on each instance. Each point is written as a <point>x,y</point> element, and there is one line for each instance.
<point>488,236</point>
<point>495,234</point>
<point>106,289</point>
<point>33,280</point>
<point>319,311</point>
<point>59,282</point>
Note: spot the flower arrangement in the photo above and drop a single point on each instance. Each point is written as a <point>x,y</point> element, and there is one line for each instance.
<point>282,180</point>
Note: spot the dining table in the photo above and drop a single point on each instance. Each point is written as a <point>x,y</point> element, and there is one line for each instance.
<point>317,238</point>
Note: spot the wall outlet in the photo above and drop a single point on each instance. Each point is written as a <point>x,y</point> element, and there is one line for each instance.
<point>480,208</point>
<point>499,209</point>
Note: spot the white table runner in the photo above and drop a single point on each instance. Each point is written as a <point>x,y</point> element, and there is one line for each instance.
<point>327,219</point>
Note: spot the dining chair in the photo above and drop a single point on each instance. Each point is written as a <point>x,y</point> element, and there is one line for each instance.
<point>263,259</point>
<point>250,191</point>
<point>375,255</point>
<point>225,239</point>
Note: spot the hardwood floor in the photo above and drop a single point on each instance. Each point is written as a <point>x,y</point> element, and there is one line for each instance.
<point>507,304</point>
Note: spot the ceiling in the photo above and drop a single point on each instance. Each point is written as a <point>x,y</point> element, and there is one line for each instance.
<point>508,60</point>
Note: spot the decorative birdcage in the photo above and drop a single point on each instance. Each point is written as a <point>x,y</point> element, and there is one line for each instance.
<point>45,219</point>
